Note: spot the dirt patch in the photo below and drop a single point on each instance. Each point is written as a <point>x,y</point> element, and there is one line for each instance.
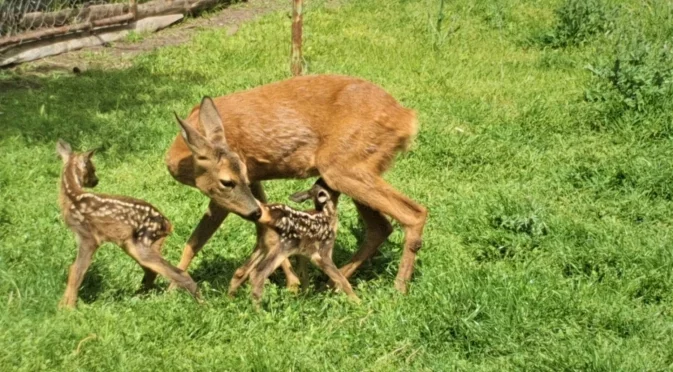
<point>121,53</point>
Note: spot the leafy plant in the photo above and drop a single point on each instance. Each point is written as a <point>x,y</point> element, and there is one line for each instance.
<point>638,77</point>
<point>578,22</point>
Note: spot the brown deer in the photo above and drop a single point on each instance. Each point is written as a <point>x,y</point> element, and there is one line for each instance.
<point>134,225</point>
<point>345,129</point>
<point>308,233</point>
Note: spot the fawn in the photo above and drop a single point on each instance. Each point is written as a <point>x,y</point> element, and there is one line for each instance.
<point>310,234</point>
<point>136,226</point>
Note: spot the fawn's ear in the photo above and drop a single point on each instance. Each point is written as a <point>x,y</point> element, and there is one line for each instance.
<point>64,150</point>
<point>300,197</point>
<point>322,197</point>
<point>87,155</point>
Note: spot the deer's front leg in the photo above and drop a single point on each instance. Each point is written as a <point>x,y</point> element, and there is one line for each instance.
<point>209,223</point>
<point>87,247</point>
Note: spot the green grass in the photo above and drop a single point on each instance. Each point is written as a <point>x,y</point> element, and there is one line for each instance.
<point>549,240</point>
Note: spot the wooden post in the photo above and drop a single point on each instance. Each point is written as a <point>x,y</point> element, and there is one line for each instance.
<point>134,9</point>
<point>297,20</point>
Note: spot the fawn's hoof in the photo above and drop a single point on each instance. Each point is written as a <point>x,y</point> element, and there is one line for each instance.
<point>67,304</point>
<point>293,287</point>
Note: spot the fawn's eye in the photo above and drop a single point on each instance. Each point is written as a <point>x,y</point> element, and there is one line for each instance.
<point>228,184</point>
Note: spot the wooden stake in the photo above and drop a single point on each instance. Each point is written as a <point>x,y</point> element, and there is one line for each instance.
<point>297,20</point>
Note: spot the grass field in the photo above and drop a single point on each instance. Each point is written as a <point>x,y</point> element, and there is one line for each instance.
<point>546,165</point>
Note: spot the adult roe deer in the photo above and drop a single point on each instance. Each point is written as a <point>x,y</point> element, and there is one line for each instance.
<point>345,129</point>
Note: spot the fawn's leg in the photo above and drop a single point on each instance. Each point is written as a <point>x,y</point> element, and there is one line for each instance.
<point>371,190</point>
<point>291,280</point>
<point>150,275</point>
<point>268,265</point>
<point>149,258</point>
<point>302,267</point>
<point>242,273</point>
<point>209,223</point>
<point>87,247</point>
<point>325,263</point>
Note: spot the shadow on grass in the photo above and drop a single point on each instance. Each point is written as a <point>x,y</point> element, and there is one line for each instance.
<point>218,271</point>
<point>91,105</point>
<point>92,285</point>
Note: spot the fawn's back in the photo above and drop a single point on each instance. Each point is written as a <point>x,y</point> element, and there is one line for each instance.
<point>105,217</point>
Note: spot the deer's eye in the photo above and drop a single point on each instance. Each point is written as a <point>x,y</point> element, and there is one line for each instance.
<point>228,184</point>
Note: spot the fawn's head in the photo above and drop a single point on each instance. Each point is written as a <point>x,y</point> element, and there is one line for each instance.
<point>218,171</point>
<point>79,163</point>
<point>321,194</point>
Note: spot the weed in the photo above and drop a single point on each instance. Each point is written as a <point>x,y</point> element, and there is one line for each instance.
<point>639,77</point>
<point>578,21</point>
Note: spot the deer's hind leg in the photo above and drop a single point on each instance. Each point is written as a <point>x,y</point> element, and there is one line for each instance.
<point>150,259</point>
<point>87,247</point>
<point>377,230</point>
<point>365,185</point>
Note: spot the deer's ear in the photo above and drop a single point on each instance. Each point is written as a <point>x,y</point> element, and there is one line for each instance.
<point>211,121</point>
<point>300,197</point>
<point>322,197</point>
<point>63,149</point>
<point>197,143</point>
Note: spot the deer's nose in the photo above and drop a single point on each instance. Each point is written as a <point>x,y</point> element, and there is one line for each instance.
<point>255,215</point>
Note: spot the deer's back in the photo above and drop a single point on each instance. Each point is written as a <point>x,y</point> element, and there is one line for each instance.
<point>280,129</point>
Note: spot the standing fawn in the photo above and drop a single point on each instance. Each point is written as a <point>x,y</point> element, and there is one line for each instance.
<point>310,234</point>
<point>344,129</point>
<point>134,225</point>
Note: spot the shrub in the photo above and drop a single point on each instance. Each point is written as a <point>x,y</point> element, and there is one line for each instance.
<point>578,22</point>
<point>639,77</point>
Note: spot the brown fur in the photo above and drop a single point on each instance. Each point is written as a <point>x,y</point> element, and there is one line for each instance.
<point>345,129</point>
<point>310,234</point>
<point>136,226</point>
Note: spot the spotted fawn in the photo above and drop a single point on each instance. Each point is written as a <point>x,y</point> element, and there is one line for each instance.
<point>136,226</point>
<point>289,232</point>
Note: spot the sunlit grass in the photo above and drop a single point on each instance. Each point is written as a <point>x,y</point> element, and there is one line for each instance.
<point>547,247</point>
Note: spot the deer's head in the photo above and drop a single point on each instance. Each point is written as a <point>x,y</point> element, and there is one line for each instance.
<point>78,163</point>
<point>219,172</point>
<point>320,193</point>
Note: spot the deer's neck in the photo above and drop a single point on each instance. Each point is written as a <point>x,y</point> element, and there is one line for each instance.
<point>71,184</point>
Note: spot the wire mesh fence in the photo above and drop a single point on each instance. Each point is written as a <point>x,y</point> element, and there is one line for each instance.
<point>23,20</point>
<point>28,20</point>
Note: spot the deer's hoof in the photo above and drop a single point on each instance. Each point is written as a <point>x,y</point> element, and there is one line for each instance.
<point>401,285</point>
